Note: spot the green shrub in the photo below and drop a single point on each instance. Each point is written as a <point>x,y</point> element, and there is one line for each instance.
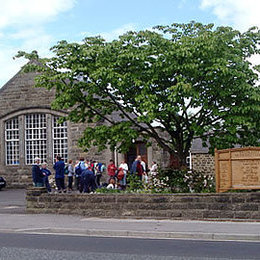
<point>134,183</point>
<point>105,190</point>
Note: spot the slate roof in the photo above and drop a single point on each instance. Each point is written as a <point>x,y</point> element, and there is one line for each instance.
<point>197,146</point>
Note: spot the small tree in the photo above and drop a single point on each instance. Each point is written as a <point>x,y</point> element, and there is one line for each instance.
<point>171,84</point>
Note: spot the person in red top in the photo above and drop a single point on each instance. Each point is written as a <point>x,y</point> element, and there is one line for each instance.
<point>137,167</point>
<point>111,169</point>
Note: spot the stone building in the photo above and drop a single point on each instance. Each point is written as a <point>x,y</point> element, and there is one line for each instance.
<point>200,158</point>
<point>29,128</point>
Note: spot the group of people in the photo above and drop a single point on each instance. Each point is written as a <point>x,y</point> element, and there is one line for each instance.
<point>40,174</point>
<point>86,174</point>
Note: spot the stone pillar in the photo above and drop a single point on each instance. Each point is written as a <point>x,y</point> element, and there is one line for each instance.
<point>49,139</point>
<point>149,155</point>
<point>120,157</point>
<point>22,151</point>
<point>2,142</point>
<point>70,144</point>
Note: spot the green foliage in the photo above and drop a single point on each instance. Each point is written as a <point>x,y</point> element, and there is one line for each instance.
<point>105,190</point>
<point>193,80</point>
<point>134,183</point>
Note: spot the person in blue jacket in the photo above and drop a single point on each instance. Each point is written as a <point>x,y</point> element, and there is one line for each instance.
<point>46,173</point>
<point>79,168</point>
<point>88,180</point>
<point>59,168</point>
<point>37,175</point>
<point>137,167</point>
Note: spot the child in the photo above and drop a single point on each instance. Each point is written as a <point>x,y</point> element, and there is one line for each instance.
<point>46,173</point>
<point>112,184</point>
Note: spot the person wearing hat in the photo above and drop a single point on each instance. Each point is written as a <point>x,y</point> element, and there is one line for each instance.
<point>37,175</point>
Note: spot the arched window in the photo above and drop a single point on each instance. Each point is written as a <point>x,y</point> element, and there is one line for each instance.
<point>38,135</point>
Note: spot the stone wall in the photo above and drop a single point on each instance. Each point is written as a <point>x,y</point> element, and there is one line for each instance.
<point>19,94</point>
<point>239,206</point>
<point>203,162</point>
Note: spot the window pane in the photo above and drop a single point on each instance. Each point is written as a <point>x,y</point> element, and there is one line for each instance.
<point>35,137</point>
<point>12,141</point>
<point>60,139</point>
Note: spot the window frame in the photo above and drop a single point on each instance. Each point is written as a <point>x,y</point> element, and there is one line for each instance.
<point>63,127</point>
<point>40,141</point>
<point>15,158</point>
<point>21,115</point>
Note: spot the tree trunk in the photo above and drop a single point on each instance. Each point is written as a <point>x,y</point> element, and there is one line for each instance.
<point>179,161</point>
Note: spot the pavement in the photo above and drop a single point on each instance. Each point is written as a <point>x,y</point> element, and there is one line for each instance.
<point>12,201</point>
<point>13,219</point>
<point>138,228</point>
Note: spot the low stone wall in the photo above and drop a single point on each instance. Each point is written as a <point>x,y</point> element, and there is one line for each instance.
<point>17,176</point>
<point>236,206</point>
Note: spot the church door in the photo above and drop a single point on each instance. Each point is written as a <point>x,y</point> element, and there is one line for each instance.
<point>138,148</point>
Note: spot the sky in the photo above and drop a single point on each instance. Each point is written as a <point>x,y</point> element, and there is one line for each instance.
<point>39,24</point>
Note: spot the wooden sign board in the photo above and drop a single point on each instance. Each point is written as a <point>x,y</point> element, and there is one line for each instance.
<point>237,168</point>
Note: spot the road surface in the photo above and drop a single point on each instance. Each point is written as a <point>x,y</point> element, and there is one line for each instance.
<point>39,246</point>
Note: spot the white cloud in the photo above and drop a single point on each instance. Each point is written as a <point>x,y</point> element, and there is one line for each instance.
<point>110,36</point>
<point>21,12</point>
<point>9,67</point>
<point>241,14</point>
<point>114,34</point>
<point>22,27</point>
<point>28,41</point>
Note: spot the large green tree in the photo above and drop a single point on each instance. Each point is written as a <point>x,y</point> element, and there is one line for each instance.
<point>171,84</point>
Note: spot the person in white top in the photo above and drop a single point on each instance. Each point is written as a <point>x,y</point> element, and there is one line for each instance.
<point>153,171</point>
<point>154,168</point>
<point>144,166</point>
<point>112,184</point>
<point>124,167</point>
<point>145,177</point>
<point>70,175</point>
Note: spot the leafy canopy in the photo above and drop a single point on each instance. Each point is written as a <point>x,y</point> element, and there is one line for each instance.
<point>171,84</point>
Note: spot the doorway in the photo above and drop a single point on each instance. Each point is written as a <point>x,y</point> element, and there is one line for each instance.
<point>139,148</point>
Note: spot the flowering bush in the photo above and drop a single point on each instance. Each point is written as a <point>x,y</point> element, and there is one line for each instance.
<point>158,183</point>
<point>52,181</point>
<point>200,182</point>
<point>180,181</point>
<point>168,181</point>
